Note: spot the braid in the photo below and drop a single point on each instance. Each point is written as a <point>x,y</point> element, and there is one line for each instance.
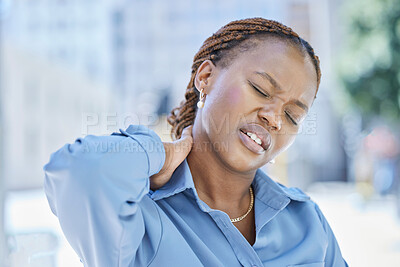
<point>218,46</point>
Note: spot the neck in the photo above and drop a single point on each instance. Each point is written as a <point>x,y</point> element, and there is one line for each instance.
<point>217,184</point>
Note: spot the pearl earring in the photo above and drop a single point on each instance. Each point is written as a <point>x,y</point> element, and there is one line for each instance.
<point>200,104</point>
<point>272,161</point>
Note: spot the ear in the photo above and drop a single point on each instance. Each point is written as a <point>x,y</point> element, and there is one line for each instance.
<point>204,75</point>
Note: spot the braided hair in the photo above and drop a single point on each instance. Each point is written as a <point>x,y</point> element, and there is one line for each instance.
<point>221,49</point>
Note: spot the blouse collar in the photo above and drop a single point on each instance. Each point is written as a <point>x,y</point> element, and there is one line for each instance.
<point>267,190</point>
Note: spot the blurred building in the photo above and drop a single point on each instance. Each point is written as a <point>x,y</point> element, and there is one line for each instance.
<point>49,69</point>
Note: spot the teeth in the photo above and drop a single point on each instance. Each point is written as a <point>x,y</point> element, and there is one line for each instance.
<point>254,137</point>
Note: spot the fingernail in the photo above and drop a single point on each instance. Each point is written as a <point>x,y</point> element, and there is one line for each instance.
<point>187,128</point>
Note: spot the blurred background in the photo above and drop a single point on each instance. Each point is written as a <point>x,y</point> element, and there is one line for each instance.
<point>69,68</point>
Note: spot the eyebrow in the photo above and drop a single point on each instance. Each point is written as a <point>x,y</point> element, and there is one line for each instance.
<point>276,85</point>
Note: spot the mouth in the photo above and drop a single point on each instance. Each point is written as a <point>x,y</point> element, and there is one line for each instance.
<point>255,137</point>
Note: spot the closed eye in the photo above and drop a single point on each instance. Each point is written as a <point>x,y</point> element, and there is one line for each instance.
<point>258,90</point>
<point>290,118</point>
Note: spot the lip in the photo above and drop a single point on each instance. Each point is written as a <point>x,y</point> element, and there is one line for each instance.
<point>261,132</point>
<point>250,144</point>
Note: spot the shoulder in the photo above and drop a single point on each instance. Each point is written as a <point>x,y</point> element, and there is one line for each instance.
<point>274,191</point>
<point>294,193</point>
<point>304,202</point>
<point>308,216</point>
<point>300,199</point>
<point>276,194</point>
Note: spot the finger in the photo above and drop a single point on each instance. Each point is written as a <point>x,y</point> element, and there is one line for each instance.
<point>187,130</point>
<point>185,142</point>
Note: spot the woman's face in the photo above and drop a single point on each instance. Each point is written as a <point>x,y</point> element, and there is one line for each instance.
<point>267,92</point>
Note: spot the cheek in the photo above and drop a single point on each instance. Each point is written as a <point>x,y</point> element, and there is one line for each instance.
<point>235,104</point>
<point>283,142</point>
<point>220,117</point>
<point>234,96</point>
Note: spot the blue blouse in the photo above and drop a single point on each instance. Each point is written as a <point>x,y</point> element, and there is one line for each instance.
<point>99,189</point>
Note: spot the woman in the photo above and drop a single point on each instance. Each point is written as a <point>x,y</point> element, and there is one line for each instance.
<point>129,199</point>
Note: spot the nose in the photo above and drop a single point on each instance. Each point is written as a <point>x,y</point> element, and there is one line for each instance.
<point>271,119</point>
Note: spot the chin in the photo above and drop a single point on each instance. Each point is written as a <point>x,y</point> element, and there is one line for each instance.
<point>238,158</point>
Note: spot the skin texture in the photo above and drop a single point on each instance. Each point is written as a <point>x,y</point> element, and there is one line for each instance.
<point>222,167</point>
<point>175,153</point>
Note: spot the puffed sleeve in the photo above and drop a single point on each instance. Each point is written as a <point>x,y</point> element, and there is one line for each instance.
<point>333,255</point>
<point>97,187</point>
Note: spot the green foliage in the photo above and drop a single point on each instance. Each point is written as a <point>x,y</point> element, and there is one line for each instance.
<point>370,70</point>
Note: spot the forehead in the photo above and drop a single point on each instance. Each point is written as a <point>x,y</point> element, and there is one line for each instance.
<point>285,62</point>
